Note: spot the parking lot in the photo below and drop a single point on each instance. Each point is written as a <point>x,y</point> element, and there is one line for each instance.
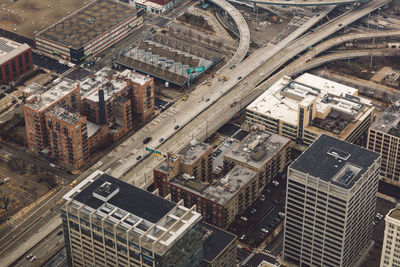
<point>382,207</point>
<point>263,220</point>
<point>49,63</point>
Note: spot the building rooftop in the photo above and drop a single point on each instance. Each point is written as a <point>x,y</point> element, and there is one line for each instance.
<point>111,81</point>
<point>64,115</point>
<point>158,222</point>
<point>43,99</point>
<point>129,198</point>
<point>257,148</point>
<point>193,151</point>
<point>215,241</point>
<point>335,161</point>
<point>282,100</point>
<point>9,49</point>
<point>92,128</point>
<point>223,190</point>
<point>395,213</point>
<point>389,122</point>
<point>27,17</point>
<point>88,23</point>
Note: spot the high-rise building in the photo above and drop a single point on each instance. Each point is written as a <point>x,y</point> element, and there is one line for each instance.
<point>391,242</point>
<point>15,60</point>
<point>65,94</point>
<point>304,108</point>
<point>68,137</point>
<point>108,222</point>
<point>330,203</point>
<point>384,138</point>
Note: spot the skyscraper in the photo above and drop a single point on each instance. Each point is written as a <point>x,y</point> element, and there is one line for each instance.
<point>330,205</point>
<point>391,242</point>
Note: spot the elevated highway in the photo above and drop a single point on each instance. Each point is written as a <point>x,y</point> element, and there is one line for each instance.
<point>304,2</point>
<point>244,31</point>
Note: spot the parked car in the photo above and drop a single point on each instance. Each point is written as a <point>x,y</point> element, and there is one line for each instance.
<point>243,237</point>
<point>161,140</point>
<point>146,140</point>
<point>243,218</point>
<point>265,231</point>
<point>282,214</point>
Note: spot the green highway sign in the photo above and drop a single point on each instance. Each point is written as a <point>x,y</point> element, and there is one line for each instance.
<point>202,68</point>
<point>149,149</point>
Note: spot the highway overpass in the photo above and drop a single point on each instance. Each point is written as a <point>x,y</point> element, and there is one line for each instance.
<point>304,2</point>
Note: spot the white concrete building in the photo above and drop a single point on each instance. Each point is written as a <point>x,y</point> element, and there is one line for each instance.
<point>391,242</point>
<point>304,108</point>
<point>330,203</point>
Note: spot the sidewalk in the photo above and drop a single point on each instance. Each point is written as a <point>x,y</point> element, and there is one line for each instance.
<point>40,234</point>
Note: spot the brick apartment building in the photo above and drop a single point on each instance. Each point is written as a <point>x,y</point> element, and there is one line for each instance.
<point>66,94</point>
<point>235,189</point>
<point>15,60</point>
<point>106,102</point>
<point>68,137</point>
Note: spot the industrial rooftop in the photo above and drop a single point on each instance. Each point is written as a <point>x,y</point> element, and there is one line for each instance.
<point>389,122</point>
<point>192,151</point>
<point>257,148</point>
<point>9,49</point>
<point>88,23</point>
<point>159,222</point>
<point>215,241</point>
<point>28,17</point>
<point>282,99</point>
<point>42,99</point>
<point>335,161</point>
<point>109,80</point>
<point>220,192</point>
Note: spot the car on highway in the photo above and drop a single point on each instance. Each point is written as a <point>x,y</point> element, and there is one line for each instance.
<point>239,78</point>
<point>146,140</point>
<point>208,99</point>
<point>340,24</point>
<point>138,157</point>
<point>176,127</point>
<point>161,140</point>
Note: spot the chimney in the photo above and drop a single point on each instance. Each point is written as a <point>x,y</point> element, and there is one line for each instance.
<point>102,107</point>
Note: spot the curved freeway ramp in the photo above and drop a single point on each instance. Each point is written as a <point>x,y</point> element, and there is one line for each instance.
<point>244,31</point>
<point>304,2</point>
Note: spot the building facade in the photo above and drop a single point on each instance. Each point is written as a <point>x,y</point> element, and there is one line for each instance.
<point>15,60</point>
<point>330,203</point>
<point>384,138</point>
<point>68,137</point>
<point>87,31</point>
<point>391,242</point>
<point>304,108</point>
<point>108,222</point>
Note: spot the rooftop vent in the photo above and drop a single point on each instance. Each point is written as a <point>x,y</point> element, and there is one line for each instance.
<point>106,191</point>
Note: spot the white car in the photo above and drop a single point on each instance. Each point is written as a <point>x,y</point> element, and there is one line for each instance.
<point>243,218</point>
<point>282,214</point>
<point>265,231</point>
<point>276,183</point>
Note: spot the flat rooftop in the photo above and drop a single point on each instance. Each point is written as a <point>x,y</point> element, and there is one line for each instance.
<point>335,161</point>
<point>257,148</point>
<point>42,99</point>
<point>389,122</point>
<point>28,17</point>
<point>88,23</point>
<point>215,241</point>
<point>10,49</point>
<point>222,191</point>
<point>64,115</point>
<point>92,128</point>
<point>129,198</point>
<point>395,213</point>
<point>193,151</point>
<point>282,99</point>
<point>111,81</point>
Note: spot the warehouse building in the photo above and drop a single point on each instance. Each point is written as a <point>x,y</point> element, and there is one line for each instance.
<point>304,108</point>
<point>89,30</point>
